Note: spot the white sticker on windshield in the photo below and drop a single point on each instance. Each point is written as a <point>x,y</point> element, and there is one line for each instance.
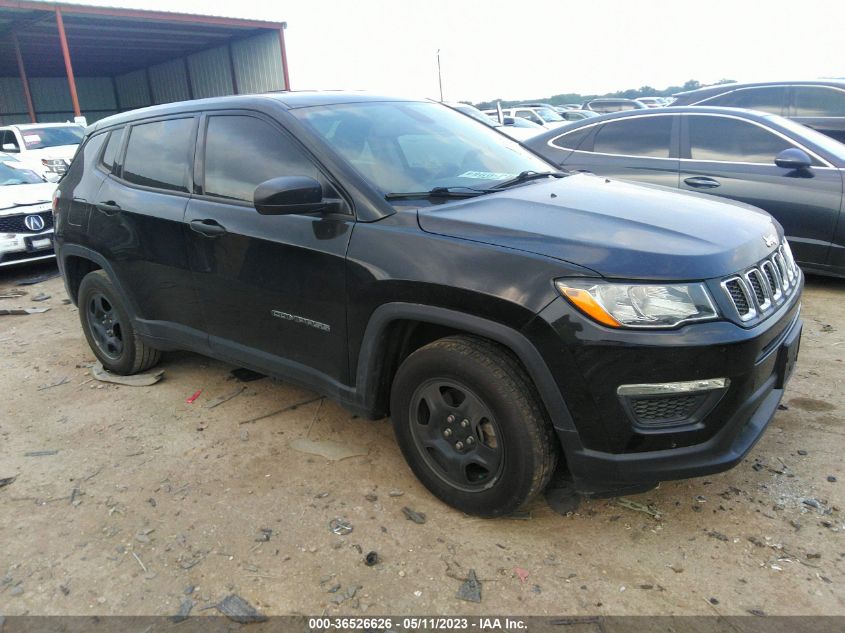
<point>486,175</point>
<point>31,138</point>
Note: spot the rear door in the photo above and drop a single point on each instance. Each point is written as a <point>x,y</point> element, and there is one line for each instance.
<point>273,286</point>
<point>138,224</point>
<point>734,157</point>
<point>639,148</point>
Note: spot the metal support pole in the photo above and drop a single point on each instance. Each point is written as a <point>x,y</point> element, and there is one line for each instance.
<point>68,66</point>
<point>24,80</point>
<point>284,57</point>
<point>439,77</point>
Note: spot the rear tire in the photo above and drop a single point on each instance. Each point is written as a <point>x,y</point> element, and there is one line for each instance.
<point>109,328</point>
<point>470,425</point>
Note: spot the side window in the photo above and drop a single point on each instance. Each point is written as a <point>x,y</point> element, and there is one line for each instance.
<point>8,138</point>
<point>241,152</point>
<point>112,148</point>
<point>817,101</point>
<point>158,154</point>
<point>766,99</point>
<point>527,114</point>
<point>646,136</point>
<point>572,140</point>
<point>732,140</point>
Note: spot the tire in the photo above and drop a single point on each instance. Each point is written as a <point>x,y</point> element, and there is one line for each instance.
<point>109,328</point>
<point>470,425</point>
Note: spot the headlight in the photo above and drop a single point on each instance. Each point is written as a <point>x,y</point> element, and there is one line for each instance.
<point>639,305</point>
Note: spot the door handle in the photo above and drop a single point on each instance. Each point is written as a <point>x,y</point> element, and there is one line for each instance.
<point>109,208</point>
<point>208,227</point>
<point>702,182</point>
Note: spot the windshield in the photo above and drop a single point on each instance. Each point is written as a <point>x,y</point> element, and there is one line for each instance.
<point>417,146</point>
<point>823,141</point>
<point>41,137</point>
<point>548,115</point>
<point>10,175</point>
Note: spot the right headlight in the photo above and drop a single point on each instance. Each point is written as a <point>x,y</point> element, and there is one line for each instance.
<point>639,305</point>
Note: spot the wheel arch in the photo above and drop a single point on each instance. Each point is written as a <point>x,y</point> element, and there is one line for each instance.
<point>77,261</point>
<point>388,339</point>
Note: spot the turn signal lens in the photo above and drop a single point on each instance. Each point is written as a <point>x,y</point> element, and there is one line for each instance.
<point>588,305</point>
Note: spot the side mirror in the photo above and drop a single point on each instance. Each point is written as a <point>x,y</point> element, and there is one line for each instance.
<point>793,158</point>
<point>508,120</point>
<point>10,147</point>
<point>289,195</point>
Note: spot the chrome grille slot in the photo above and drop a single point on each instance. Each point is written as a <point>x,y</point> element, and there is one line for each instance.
<point>758,290</point>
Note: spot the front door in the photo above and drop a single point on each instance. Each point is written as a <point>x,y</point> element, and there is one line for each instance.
<point>273,286</point>
<point>734,158</point>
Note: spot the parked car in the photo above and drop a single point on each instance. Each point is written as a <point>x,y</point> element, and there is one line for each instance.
<point>45,148</point>
<point>544,117</point>
<point>521,131</point>
<point>603,106</point>
<point>652,102</point>
<point>577,115</point>
<point>816,104</point>
<point>406,261</point>
<point>791,171</point>
<point>568,106</point>
<point>26,223</point>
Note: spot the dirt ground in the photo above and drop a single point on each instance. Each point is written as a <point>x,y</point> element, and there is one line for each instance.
<point>145,501</point>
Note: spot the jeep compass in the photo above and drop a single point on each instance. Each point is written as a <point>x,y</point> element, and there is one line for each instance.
<point>405,260</point>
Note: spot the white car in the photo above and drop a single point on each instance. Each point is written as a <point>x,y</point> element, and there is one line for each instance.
<point>26,217</point>
<point>543,116</point>
<point>515,132</point>
<point>45,148</point>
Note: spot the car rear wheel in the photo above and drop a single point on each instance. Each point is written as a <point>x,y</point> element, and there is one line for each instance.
<point>471,426</point>
<point>109,329</point>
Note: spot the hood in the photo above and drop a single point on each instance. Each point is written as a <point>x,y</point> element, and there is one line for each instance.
<point>618,229</point>
<point>12,196</point>
<point>59,151</point>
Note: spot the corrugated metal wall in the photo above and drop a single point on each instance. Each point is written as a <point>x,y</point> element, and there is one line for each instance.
<point>257,63</point>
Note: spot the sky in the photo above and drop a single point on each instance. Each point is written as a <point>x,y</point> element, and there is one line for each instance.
<point>517,50</point>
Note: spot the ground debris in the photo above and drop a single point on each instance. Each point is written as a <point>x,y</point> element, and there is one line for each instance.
<point>333,451</point>
<point>184,611</point>
<point>371,559</point>
<point>60,381</point>
<point>470,590</point>
<point>246,375</point>
<point>265,535</point>
<point>21,311</point>
<point>137,380</point>
<point>37,280</point>
<point>717,535</point>
<point>340,526</point>
<point>214,402</point>
<point>12,293</point>
<point>239,610</point>
<point>6,481</point>
<point>41,453</point>
<point>41,296</point>
<point>290,407</point>
<point>639,507</point>
<point>413,515</point>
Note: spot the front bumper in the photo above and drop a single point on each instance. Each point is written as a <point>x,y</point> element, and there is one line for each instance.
<point>20,248</point>
<point>606,450</point>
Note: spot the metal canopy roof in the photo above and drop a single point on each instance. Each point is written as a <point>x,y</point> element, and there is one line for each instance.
<point>109,41</point>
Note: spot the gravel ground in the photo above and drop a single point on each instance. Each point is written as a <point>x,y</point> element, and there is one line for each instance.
<point>130,501</point>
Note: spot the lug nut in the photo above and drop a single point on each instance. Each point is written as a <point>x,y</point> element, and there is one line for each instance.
<point>450,419</point>
<point>470,440</point>
<point>459,446</point>
<point>464,423</point>
<point>447,433</point>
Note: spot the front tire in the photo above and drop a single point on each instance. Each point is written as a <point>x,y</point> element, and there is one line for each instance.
<point>109,329</point>
<point>470,425</point>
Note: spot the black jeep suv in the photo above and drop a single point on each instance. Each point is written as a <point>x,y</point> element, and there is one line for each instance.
<point>406,260</point>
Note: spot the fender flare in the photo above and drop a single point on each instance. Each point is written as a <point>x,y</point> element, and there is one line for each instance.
<point>75,250</point>
<point>367,379</point>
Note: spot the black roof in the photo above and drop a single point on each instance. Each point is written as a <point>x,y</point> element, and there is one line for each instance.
<point>720,88</point>
<point>287,100</point>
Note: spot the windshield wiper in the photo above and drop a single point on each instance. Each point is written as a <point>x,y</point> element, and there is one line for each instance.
<point>438,192</point>
<point>527,176</point>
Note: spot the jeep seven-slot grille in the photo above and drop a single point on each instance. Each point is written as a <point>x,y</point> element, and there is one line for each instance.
<point>758,290</point>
